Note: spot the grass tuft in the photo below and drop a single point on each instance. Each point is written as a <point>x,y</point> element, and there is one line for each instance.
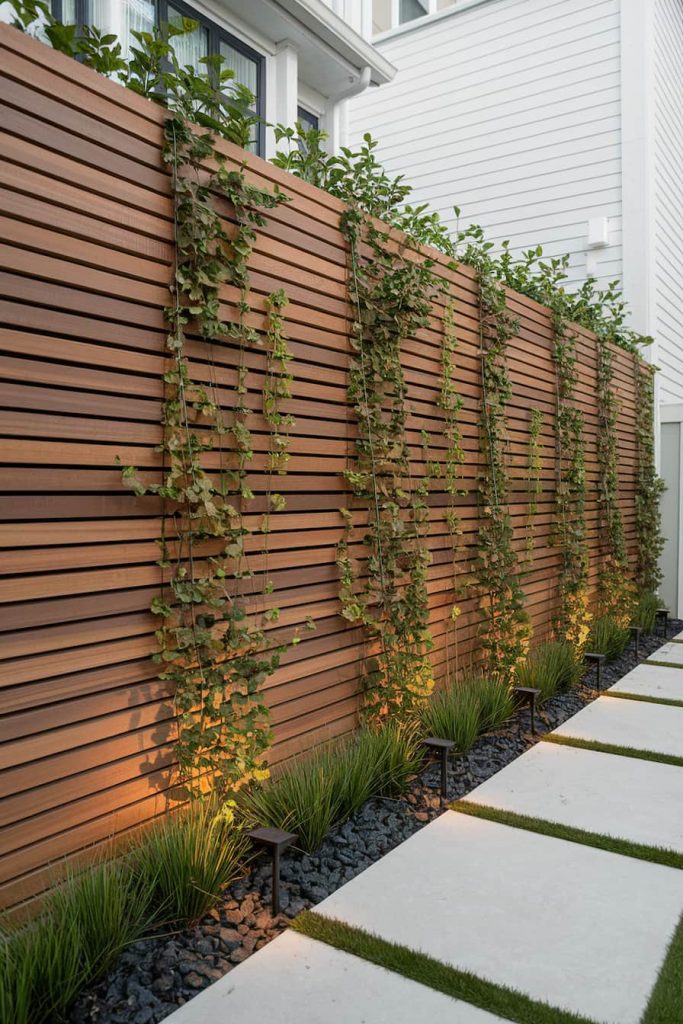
<point>645,614</point>
<point>418,966</point>
<point>613,844</point>
<point>186,860</point>
<point>550,667</point>
<point>321,789</point>
<point>608,637</point>
<point>84,925</point>
<point>462,710</point>
<point>611,748</point>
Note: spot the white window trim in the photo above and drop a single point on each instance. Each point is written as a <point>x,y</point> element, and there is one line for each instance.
<point>428,19</point>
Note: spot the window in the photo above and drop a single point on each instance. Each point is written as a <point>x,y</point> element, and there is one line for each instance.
<point>208,39</point>
<point>307,119</point>
<point>123,17</point>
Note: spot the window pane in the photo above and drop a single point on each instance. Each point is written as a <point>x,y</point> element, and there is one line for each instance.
<point>192,46</point>
<point>123,18</point>
<point>246,69</point>
<point>381,16</point>
<point>307,119</point>
<point>408,10</point>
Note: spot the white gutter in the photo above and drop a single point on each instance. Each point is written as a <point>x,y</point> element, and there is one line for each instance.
<point>355,88</point>
<point>333,113</point>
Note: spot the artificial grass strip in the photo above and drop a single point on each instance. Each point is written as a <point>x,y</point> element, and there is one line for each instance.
<point>612,748</point>
<point>641,851</point>
<point>664,664</point>
<point>666,1001</point>
<point>669,701</point>
<point>418,966</point>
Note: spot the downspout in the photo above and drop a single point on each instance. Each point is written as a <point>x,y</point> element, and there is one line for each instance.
<point>332,113</point>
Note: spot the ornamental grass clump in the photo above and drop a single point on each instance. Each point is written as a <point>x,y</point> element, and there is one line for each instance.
<point>186,860</point>
<point>645,613</point>
<point>84,925</point>
<point>317,791</point>
<point>462,710</point>
<point>550,667</point>
<point>608,637</point>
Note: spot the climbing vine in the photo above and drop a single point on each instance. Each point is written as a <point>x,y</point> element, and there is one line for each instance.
<point>390,294</point>
<point>649,486</point>
<point>215,655</point>
<point>615,589</point>
<point>450,401</point>
<point>569,533</point>
<point>507,631</point>
<point>534,488</point>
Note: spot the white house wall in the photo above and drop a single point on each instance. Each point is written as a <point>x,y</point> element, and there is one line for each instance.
<point>511,110</point>
<point>668,196</point>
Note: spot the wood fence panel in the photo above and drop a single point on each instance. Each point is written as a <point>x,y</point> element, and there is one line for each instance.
<point>86,727</point>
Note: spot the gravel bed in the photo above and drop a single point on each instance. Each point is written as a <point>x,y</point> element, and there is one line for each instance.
<point>158,974</point>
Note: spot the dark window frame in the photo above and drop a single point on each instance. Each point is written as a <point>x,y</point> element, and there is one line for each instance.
<point>307,117</point>
<point>81,9</point>
<point>216,34</point>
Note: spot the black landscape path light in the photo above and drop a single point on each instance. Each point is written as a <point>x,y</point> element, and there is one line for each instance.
<point>443,748</point>
<point>595,659</point>
<point>662,619</point>
<point>275,840</point>
<point>527,695</point>
<point>635,636</point>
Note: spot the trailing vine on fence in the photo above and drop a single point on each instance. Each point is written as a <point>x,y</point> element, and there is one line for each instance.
<point>501,597</point>
<point>451,402</point>
<point>615,589</point>
<point>649,486</point>
<point>390,294</point>
<point>212,651</point>
<point>569,533</point>
<point>534,488</point>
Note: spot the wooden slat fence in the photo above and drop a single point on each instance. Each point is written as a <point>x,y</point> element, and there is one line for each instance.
<point>86,727</point>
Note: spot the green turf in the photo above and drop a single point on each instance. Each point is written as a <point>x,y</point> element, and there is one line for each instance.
<point>413,964</point>
<point>666,1001</point>
<point>644,697</point>
<point>664,664</point>
<point>612,748</point>
<point>641,851</point>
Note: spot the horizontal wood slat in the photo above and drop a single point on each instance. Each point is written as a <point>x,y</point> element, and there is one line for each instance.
<point>86,726</point>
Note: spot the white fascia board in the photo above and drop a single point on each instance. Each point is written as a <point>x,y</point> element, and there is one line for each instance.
<point>319,34</point>
<point>323,23</point>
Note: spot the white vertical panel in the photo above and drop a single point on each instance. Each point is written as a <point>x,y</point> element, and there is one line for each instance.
<point>668,195</point>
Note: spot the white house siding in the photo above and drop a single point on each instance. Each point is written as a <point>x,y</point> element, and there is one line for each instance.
<point>668,196</point>
<point>511,110</point>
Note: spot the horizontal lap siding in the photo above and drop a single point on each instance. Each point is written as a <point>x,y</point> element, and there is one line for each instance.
<point>511,112</point>
<point>87,729</point>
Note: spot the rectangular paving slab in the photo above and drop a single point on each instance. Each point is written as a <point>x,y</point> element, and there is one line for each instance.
<point>295,980</point>
<point>629,723</point>
<point>671,653</point>
<point>583,929</point>
<point>618,796</point>
<point>652,681</point>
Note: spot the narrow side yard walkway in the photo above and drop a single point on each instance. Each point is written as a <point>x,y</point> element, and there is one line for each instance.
<point>572,924</point>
